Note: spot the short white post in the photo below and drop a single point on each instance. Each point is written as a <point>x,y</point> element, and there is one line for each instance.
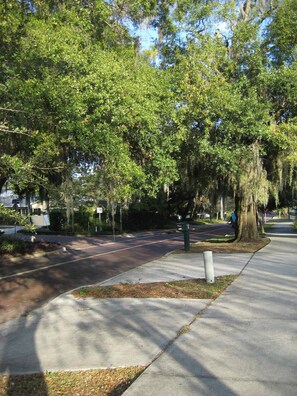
<point>208,266</point>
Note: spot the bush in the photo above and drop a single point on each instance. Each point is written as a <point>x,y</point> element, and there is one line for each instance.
<point>84,220</point>
<point>12,245</point>
<point>141,220</point>
<point>57,220</point>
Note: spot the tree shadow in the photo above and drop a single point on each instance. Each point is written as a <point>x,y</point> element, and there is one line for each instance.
<point>86,334</point>
<point>129,324</point>
<point>17,353</point>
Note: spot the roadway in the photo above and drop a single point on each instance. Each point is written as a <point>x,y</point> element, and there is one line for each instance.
<point>28,283</point>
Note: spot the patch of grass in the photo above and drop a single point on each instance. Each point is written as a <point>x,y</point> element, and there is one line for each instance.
<point>111,382</point>
<point>269,225</point>
<point>15,247</point>
<point>227,246</point>
<point>225,239</point>
<point>184,330</point>
<point>84,292</point>
<point>191,288</point>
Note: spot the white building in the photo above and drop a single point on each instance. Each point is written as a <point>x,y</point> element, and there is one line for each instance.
<point>37,209</point>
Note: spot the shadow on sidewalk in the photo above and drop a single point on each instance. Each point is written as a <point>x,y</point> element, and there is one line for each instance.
<point>17,354</point>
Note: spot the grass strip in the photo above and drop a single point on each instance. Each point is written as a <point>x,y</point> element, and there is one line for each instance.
<point>226,245</point>
<point>191,288</point>
<point>111,382</point>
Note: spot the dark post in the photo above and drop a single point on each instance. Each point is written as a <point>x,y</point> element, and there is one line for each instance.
<point>186,232</point>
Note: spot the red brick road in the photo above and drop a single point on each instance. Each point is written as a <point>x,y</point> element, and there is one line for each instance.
<point>27,284</point>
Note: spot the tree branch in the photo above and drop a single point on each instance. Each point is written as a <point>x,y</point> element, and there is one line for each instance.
<point>13,110</point>
<point>4,130</point>
<point>52,168</point>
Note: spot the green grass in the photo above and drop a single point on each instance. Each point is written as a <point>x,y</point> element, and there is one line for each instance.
<point>225,239</point>
<point>267,226</point>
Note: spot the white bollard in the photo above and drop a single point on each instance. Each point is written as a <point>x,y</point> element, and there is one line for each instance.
<point>208,266</point>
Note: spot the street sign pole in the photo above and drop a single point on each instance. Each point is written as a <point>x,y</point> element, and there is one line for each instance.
<point>99,211</point>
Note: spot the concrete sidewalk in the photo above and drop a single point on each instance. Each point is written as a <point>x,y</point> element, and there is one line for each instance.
<point>243,343</point>
<point>71,334</point>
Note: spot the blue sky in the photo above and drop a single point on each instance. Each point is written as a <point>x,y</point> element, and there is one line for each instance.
<point>147,36</point>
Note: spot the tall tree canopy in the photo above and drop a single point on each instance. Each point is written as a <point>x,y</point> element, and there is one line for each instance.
<point>216,111</point>
<point>236,104</point>
<point>82,94</point>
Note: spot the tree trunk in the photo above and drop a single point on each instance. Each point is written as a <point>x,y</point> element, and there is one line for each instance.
<point>113,212</point>
<point>121,219</point>
<point>28,203</point>
<point>67,195</point>
<point>250,188</point>
<point>246,225</point>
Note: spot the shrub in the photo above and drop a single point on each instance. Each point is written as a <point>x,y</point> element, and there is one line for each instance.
<point>11,245</point>
<point>142,219</point>
<point>57,220</point>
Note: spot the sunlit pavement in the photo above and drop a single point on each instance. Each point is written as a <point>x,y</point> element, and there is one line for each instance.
<point>243,343</point>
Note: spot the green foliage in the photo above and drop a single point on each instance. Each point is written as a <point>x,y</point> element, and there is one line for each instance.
<point>11,245</point>
<point>281,33</point>
<point>134,220</point>
<point>78,97</point>
<point>235,110</point>
<point>218,116</point>
<point>11,216</point>
<point>57,220</point>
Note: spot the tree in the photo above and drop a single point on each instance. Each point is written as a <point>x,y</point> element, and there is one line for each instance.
<point>281,33</point>
<point>220,108</point>
<point>223,85</point>
<point>82,96</point>
<point>9,215</point>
